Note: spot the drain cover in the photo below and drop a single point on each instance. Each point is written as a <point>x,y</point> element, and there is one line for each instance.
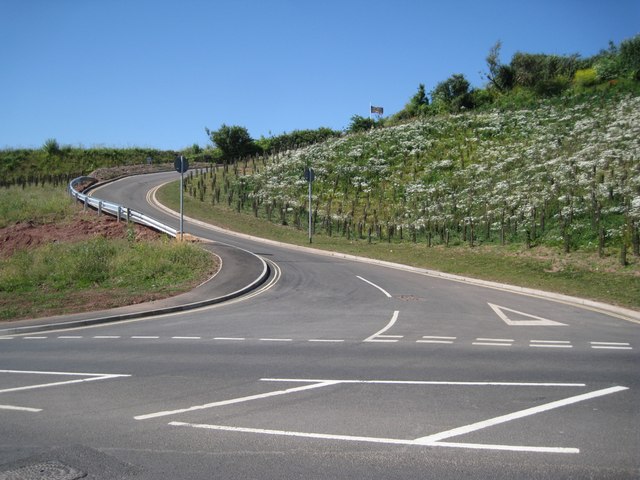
<point>43,471</point>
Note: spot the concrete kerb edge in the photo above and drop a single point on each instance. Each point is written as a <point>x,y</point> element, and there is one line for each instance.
<point>619,312</point>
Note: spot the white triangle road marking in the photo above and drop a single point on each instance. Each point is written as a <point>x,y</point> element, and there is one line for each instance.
<point>536,322</point>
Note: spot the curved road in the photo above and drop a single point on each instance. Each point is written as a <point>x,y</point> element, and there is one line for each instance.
<point>340,369</point>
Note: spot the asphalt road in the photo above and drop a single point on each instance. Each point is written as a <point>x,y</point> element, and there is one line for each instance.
<point>336,369</point>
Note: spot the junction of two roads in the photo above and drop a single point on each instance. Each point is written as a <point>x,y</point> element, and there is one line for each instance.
<point>331,368</point>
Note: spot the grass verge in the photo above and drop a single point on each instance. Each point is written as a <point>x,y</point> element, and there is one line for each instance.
<point>582,274</point>
<point>95,274</point>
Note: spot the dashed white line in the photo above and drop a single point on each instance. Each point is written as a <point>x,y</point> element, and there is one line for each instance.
<point>186,338</point>
<point>325,340</point>
<point>494,342</point>
<point>34,338</point>
<point>231,339</point>
<point>550,344</point>
<point>436,339</point>
<point>276,339</point>
<point>70,336</point>
<point>145,337</point>
<point>611,345</point>
<point>102,337</point>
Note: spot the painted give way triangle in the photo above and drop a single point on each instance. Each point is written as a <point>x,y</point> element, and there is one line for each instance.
<point>531,320</point>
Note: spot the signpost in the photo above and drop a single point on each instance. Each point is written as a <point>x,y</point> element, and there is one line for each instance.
<point>309,176</point>
<point>181,165</point>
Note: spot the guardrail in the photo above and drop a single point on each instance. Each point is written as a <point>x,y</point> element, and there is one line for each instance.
<point>118,211</point>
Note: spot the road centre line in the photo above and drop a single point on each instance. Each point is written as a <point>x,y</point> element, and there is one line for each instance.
<point>102,337</point>
<point>145,337</point>
<point>236,400</point>
<point>374,285</point>
<point>325,340</point>
<point>237,339</point>
<point>186,338</point>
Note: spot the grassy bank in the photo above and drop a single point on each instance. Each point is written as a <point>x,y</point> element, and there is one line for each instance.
<point>86,273</point>
<point>580,273</point>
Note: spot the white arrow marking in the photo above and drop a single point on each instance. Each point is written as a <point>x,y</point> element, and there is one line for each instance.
<point>537,322</point>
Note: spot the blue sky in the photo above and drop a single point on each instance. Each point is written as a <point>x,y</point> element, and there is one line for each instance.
<point>155,73</point>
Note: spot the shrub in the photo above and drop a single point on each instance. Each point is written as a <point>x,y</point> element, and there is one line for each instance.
<point>586,77</point>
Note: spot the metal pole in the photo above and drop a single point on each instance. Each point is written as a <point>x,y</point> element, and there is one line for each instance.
<point>310,206</point>
<point>181,195</point>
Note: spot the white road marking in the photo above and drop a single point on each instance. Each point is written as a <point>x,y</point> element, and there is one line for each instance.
<point>550,341</point>
<point>276,339</point>
<point>70,336</point>
<point>323,340</point>
<point>379,337</point>
<point>611,345</point>
<point>186,338</point>
<point>102,337</point>
<point>602,347</point>
<point>494,342</point>
<point>537,321</point>
<point>236,339</point>
<point>145,337</point>
<point>482,339</point>
<point>286,433</point>
<point>388,441</point>
<point>423,382</point>
<point>433,440</point>
<point>21,409</point>
<point>516,415</point>
<point>236,400</point>
<point>34,338</point>
<point>92,377</point>
<point>374,285</point>
<point>436,339</point>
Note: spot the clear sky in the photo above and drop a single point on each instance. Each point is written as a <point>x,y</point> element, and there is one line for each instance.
<point>155,73</point>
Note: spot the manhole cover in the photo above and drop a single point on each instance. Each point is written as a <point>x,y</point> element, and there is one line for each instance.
<point>408,298</point>
<point>43,471</point>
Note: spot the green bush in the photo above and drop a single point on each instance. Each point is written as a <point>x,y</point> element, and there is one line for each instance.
<point>586,77</point>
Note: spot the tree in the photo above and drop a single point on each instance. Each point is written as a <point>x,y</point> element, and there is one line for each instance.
<point>233,141</point>
<point>362,124</point>
<point>454,93</point>
<point>500,76</point>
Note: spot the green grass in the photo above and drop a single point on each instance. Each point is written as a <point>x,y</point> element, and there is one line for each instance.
<point>580,274</point>
<point>97,273</point>
<point>61,277</point>
<point>42,204</point>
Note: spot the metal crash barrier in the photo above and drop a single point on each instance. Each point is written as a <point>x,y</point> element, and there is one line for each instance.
<point>118,211</point>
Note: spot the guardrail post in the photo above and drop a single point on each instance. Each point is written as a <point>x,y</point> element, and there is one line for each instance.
<point>119,213</point>
<point>85,204</point>
<point>99,208</point>
<point>128,215</point>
